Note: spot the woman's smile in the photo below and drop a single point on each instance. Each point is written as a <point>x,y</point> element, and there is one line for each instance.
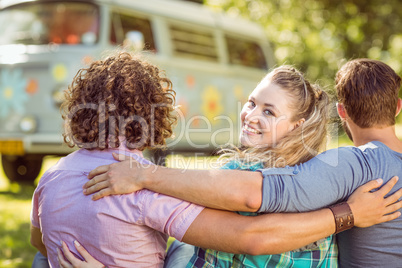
<point>250,130</point>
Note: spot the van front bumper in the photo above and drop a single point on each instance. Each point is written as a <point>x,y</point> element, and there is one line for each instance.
<point>46,144</point>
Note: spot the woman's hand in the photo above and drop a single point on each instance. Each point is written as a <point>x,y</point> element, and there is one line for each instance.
<point>73,262</point>
<point>371,208</point>
<point>117,178</point>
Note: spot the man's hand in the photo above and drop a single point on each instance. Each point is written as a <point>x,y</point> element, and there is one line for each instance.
<point>117,178</point>
<point>371,208</point>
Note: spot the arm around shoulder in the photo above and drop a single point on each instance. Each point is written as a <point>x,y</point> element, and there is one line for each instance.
<point>264,234</point>
<point>232,190</point>
<point>222,189</point>
<point>336,172</point>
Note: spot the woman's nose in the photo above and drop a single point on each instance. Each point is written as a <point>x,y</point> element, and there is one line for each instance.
<point>252,116</point>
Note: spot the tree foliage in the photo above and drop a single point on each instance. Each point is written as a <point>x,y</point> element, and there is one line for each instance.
<point>318,36</point>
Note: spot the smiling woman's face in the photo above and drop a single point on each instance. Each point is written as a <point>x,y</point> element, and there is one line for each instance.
<point>266,117</point>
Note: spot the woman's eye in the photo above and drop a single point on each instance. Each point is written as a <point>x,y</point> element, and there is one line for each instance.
<point>251,103</point>
<point>268,112</point>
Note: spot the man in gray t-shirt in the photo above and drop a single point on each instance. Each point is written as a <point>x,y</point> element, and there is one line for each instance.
<point>337,173</point>
<point>368,102</point>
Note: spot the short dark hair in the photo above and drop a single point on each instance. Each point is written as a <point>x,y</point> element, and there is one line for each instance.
<point>369,91</point>
<point>120,96</point>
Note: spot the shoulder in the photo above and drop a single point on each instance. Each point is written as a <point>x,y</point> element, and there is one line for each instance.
<point>336,157</point>
<point>231,165</point>
<point>291,171</point>
<point>161,202</point>
<point>369,152</point>
<point>331,158</point>
<point>376,147</point>
<point>160,206</point>
<point>234,164</point>
<point>48,176</point>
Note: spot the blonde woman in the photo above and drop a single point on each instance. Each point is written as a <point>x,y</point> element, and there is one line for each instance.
<point>283,122</point>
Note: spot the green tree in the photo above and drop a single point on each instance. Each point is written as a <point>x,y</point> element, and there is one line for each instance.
<point>319,36</point>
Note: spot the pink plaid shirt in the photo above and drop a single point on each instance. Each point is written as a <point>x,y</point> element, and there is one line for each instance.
<point>120,231</point>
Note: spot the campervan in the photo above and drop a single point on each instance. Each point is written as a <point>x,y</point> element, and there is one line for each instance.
<point>213,60</point>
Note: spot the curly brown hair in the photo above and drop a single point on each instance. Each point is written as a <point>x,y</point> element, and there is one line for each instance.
<point>121,96</point>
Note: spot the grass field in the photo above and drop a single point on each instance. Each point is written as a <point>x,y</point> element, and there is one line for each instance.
<point>15,207</point>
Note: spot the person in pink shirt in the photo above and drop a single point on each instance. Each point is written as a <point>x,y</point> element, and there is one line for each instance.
<point>124,105</point>
<point>128,227</point>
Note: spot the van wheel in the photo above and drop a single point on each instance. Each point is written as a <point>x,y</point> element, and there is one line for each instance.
<point>22,169</point>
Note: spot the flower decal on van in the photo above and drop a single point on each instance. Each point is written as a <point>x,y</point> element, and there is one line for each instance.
<point>211,103</point>
<point>12,92</point>
<point>32,87</point>
<point>190,81</point>
<point>59,72</point>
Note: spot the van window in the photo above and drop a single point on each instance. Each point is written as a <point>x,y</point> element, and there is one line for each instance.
<point>46,22</point>
<point>192,43</point>
<point>123,23</point>
<point>246,53</point>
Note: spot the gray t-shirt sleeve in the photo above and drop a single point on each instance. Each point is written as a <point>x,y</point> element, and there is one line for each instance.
<point>324,180</point>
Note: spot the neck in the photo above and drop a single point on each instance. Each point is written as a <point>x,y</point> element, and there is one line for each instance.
<point>123,148</point>
<point>386,135</point>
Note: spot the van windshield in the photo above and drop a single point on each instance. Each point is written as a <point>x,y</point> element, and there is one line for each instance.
<point>50,22</point>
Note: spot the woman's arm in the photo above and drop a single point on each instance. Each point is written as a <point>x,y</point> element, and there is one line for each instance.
<point>230,232</point>
<point>265,234</point>
<point>36,240</point>
<point>281,232</point>
<point>232,190</point>
<point>68,260</point>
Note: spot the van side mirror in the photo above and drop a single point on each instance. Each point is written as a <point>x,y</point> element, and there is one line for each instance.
<point>134,41</point>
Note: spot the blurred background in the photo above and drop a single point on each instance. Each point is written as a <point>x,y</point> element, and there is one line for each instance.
<point>317,36</point>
